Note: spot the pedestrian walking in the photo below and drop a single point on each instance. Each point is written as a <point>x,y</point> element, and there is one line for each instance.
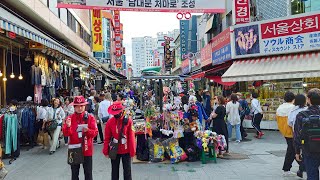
<point>306,135</point>
<point>81,128</point>
<point>42,117</point>
<point>68,110</point>
<point>256,110</point>
<point>55,115</point>
<point>119,134</point>
<point>96,102</point>
<point>300,102</point>
<point>218,123</point>
<point>233,117</point>
<point>243,113</point>
<point>286,131</point>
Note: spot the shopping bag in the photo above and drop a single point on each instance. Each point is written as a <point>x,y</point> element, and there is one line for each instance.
<point>40,137</point>
<point>45,139</point>
<point>75,155</point>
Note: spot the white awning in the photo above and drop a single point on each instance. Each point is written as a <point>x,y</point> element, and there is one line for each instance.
<point>276,67</point>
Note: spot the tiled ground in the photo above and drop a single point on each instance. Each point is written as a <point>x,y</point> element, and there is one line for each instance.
<point>36,164</point>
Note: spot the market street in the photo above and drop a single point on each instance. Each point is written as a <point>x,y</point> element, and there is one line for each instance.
<point>36,164</point>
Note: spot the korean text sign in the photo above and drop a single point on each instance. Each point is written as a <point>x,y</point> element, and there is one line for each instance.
<point>293,34</point>
<point>192,6</point>
<point>242,11</point>
<point>117,29</point>
<point>97,41</point>
<point>184,37</point>
<point>221,47</point>
<point>206,55</point>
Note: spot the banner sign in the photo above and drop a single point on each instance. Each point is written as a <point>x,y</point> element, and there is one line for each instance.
<point>184,37</point>
<point>117,30</point>
<point>221,47</point>
<point>291,35</point>
<point>190,6</point>
<point>206,55</point>
<point>185,66</point>
<point>96,26</point>
<point>242,11</point>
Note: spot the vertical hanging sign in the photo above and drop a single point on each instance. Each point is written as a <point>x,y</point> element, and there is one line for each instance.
<point>184,37</point>
<point>96,26</point>
<point>117,30</point>
<point>241,9</point>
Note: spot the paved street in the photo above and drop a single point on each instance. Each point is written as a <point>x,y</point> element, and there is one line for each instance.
<point>265,160</point>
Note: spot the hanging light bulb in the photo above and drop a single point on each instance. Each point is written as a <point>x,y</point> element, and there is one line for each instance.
<point>1,74</point>
<point>20,76</point>
<point>5,79</point>
<point>12,74</point>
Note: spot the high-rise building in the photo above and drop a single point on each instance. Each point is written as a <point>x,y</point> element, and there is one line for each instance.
<point>142,53</point>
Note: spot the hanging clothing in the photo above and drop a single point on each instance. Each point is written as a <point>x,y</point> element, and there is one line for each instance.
<point>1,127</point>
<point>36,75</point>
<point>37,94</point>
<point>28,121</point>
<point>11,121</point>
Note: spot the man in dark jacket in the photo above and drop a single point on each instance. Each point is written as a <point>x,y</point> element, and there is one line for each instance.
<point>311,160</point>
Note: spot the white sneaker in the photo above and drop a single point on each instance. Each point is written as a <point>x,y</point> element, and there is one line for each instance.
<point>237,141</point>
<point>288,173</point>
<point>66,144</point>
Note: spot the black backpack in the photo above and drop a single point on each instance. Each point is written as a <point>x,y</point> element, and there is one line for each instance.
<point>310,133</point>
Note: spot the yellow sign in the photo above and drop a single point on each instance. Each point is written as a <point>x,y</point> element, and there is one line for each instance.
<point>96,26</point>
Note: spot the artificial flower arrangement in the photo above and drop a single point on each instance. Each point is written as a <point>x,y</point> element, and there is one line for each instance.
<point>206,139</point>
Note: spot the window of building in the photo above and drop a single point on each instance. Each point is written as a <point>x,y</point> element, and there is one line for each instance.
<point>71,22</point>
<point>64,15</point>
<point>52,4</point>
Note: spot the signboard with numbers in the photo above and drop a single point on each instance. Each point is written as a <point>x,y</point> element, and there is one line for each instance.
<point>191,6</point>
<point>242,11</point>
<point>221,48</point>
<point>97,42</point>
<point>291,35</point>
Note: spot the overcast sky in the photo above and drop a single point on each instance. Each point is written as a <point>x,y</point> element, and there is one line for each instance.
<point>139,24</point>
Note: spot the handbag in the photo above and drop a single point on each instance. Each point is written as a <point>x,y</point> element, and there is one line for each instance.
<point>75,153</point>
<point>51,125</point>
<point>105,119</point>
<point>113,146</point>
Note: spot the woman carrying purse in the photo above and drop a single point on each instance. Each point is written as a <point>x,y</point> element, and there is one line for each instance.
<point>119,141</point>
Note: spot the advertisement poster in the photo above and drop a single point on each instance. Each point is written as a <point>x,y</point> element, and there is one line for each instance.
<point>242,11</point>
<point>206,55</point>
<point>221,47</point>
<point>185,66</point>
<point>299,33</point>
<point>247,40</point>
<point>191,6</point>
<point>97,42</point>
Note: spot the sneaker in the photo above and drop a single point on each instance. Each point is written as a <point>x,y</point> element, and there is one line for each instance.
<point>288,173</point>
<point>261,134</point>
<point>100,143</point>
<point>66,144</point>
<point>237,141</point>
<point>95,142</point>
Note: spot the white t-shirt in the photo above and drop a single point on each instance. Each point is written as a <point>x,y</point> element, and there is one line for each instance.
<point>232,110</point>
<point>255,106</point>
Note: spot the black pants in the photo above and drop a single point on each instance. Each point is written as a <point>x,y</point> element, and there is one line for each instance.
<point>100,133</point>
<point>291,156</point>
<point>87,167</point>
<point>242,131</point>
<point>256,121</point>
<point>126,162</point>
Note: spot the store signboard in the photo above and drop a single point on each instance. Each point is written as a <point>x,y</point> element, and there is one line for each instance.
<point>185,66</point>
<point>182,6</point>
<point>117,29</point>
<point>221,47</point>
<point>242,11</point>
<point>291,35</point>
<point>206,55</point>
<point>96,26</point>
<point>184,37</point>
<point>118,65</point>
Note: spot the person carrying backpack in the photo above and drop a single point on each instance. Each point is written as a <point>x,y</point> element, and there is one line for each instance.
<point>245,110</point>
<point>307,135</point>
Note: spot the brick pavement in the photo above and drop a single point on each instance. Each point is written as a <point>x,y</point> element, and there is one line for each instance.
<point>36,164</point>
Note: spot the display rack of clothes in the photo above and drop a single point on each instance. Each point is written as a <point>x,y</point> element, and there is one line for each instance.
<point>10,133</point>
<point>26,114</point>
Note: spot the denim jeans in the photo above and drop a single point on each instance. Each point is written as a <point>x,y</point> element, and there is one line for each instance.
<point>312,166</point>
<point>238,133</point>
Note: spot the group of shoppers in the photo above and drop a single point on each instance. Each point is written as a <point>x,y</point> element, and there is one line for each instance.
<point>292,117</point>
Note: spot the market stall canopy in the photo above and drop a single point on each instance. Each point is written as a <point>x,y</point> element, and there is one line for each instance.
<point>276,67</point>
<point>217,79</point>
<point>158,77</point>
<point>118,75</point>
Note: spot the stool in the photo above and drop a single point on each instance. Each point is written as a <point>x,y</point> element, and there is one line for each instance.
<point>211,156</point>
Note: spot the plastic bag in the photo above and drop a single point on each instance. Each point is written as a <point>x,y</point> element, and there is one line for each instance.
<point>156,150</point>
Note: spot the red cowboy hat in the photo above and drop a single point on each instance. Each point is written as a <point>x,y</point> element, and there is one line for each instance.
<point>115,108</point>
<point>79,101</point>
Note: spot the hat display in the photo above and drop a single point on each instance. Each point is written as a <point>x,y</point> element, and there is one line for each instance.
<point>115,108</point>
<point>29,98</point>
<point>79,101</point>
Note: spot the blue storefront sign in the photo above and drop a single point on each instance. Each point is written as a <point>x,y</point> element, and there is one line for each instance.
<point>221,55</point>
<point>184,36</point>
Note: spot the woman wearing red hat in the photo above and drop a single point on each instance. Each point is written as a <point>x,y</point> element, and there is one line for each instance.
<point>126,143</point>
<point>82,138</point>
